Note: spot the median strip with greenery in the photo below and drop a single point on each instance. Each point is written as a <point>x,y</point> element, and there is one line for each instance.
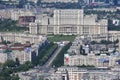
<point>59,60</point>
<point>45,54</point>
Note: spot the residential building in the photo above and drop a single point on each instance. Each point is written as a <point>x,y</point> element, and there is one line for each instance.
<point>116,22</point>
<point>62,1</point>
<point>82,52</point>
<point>75,73</point>
<point>11,1</point>
<point>3,57</point>
<point>16,13</point>
<point>5,54</point>
<point>23,38</point>
<point>22,55</point>
<point>35,1</point>
<point>91,59</point>
<point>5,13</point>
<point>27,51</point>
<point>19,50</point>
<point>114,9</point>
<point>25,20</point>
<point>22,52</point>
<point>94,2</point>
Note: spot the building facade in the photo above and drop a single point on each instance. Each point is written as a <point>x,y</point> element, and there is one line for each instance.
<point>75,73</point>
<point>91,59</point>
<point>21,52</point>
<point>23,38</point>
<point>3,57</point>
<point>62,1</point>
<point>68,22</point>
<point>22,56</point>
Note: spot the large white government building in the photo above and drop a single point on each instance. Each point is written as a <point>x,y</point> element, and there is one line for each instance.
<point>67,22</point>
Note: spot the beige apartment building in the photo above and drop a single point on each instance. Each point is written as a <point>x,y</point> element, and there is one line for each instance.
<point>22,56</point>
<point>22,52</point>
<point>3,57</point>
<point>35,1</point>
<point>14,14</point>
<point>75,73</point>
<point>5,13</point>
<point>23,38</point>
<point>68,22</point>
<point>91,59</point>
<point>62,1</point>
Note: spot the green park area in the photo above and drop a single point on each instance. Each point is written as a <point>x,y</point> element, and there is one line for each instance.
<point>58,38</point>
<point>8,25</point>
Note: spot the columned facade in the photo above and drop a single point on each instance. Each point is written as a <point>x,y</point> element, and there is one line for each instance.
<point>70,21</point>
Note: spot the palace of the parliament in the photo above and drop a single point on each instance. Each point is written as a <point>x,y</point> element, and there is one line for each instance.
<point>68,22</point>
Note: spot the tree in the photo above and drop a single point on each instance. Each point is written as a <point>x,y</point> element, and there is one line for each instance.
<point>10,25</point>
<point>17,62</point>
<point>23,67</point>
<point>82,51</point>
<point>1,65</point>
<point>2,39</point>
<point>9,63</point>
<point>38,2</point>
<point>105,42</point>
<point>41,78</point>
<point>81,48</point>
<point>29,64</point>
<point>93,42</point>
<point>116,41</point>
<point>15,77</point>
<point>22,3</point>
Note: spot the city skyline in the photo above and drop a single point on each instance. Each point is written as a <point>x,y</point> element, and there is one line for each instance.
<point>59,39</point>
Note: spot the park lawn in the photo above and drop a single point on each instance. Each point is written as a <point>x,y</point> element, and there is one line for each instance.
<point>58,38</point>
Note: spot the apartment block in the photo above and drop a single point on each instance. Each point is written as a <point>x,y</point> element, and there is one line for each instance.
<point>75,73</point>
<point>23,38</point>
<point>22,56</point>
<point>3,57</point>
<point>91,59</point>
<point>35,1</point>
<point>62,1</point>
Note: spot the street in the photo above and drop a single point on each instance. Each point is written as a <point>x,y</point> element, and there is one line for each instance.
<point>48,63</point>
<point>28,75</point>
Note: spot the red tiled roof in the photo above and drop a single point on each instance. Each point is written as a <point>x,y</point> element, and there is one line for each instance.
<point>17,48</point>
